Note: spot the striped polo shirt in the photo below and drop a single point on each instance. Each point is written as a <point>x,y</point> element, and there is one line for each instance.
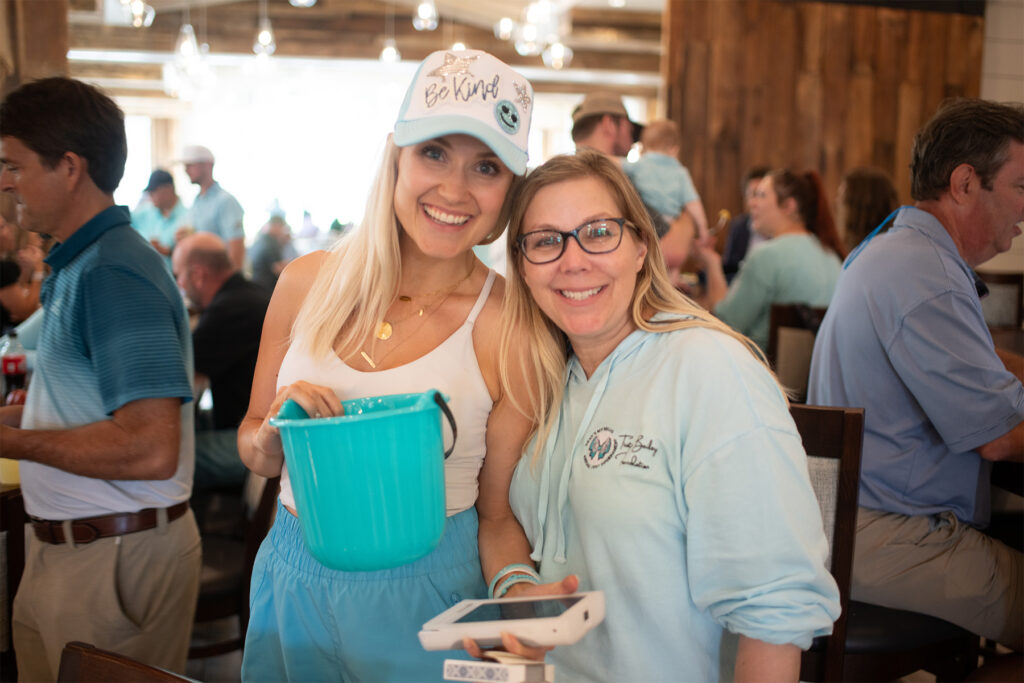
<point>114,330</point>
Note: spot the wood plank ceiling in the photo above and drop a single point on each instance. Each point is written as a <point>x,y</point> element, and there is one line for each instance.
<point>605,40</point>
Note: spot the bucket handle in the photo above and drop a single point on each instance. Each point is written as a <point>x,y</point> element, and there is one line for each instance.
<point>439,400</point>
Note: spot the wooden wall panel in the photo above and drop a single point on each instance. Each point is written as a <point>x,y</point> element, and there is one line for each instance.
<point>33,41</point>
<point>808,85</point>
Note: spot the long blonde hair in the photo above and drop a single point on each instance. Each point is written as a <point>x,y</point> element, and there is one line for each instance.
<point>360,276</point>
<point>543,357</point>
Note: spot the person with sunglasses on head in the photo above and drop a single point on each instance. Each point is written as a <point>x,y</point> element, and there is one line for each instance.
<point>664,469</point>
<point>399,305</point>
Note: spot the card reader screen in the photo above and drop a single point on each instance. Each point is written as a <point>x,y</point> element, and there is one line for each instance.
<point>529,609</point>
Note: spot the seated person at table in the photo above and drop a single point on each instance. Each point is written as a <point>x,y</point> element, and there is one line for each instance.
<point>226,342</point>
<point>741,238</point>
<point>799,265</point>
<point>906,339</point>
<point>865,198</point>
<point>666,470</point>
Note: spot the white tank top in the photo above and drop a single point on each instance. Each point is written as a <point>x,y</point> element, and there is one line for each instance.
<point>451,367</point>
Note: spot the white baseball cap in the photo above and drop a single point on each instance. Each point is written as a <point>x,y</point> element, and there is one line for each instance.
<point>469,92</point>
<point>196,154</point>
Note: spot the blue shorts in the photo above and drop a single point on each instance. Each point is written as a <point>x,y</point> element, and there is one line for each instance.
<point>312,623</point>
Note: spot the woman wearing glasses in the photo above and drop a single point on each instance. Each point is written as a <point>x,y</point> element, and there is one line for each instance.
<point>665,469</point>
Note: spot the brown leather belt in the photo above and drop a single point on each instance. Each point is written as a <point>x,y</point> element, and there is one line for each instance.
<point>88,529</point>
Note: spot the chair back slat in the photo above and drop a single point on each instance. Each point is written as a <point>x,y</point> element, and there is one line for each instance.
<point>832,439</point>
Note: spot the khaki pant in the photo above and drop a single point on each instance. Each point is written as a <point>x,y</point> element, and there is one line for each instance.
<point>133,594</point>
<point>937,565</point>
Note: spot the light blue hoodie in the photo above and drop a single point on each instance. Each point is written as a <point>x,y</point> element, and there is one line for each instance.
<point>686,499</point>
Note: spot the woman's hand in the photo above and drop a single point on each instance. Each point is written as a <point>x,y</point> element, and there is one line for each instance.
<point>509,642</point>
<point>316,400</point>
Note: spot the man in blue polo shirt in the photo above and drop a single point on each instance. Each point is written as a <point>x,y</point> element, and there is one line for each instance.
<point>214,209</point>
<point>105,437</point>
<point>905,338</point>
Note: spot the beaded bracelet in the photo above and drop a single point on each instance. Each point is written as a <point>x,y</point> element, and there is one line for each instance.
<point>511,581</point>
<point>508,569</point>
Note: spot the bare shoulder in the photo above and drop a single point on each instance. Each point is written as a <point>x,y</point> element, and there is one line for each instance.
<point>292,287</point>
<point>300,273</point>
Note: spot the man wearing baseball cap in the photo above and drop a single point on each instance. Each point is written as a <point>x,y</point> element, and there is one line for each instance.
<point>601,122</point>
<point>214,209</point>
<point>159,218</point>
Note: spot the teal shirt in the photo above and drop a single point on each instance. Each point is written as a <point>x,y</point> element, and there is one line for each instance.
<point>114,331</point>
<point>791,269</point>
<point>152,224</point>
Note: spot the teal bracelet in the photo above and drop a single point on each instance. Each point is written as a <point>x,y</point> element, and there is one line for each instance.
<point>511,581</point>
<point>508,569</point>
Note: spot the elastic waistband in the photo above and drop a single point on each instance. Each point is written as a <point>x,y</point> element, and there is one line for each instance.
<point>458,545</point>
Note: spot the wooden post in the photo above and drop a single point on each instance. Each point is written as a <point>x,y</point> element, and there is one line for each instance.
<point>33,41</point>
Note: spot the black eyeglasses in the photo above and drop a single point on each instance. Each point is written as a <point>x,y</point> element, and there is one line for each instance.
<point>594,237</point>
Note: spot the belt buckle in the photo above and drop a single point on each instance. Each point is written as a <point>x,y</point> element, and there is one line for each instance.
<point>88,527</point>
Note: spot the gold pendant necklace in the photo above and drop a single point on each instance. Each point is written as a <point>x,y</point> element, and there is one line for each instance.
<point>385,329</point>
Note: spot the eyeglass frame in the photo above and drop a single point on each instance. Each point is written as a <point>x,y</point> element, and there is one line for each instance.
<point>575,234</point>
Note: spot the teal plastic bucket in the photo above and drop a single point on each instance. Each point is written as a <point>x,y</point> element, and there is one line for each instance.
<point>369,484</point>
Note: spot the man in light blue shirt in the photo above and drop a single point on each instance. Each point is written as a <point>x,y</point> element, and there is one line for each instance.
<point>214,209</point>
<point>159,218</point>
<point>904,337</point>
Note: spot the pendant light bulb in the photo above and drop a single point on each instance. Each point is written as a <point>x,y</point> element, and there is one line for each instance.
<point>265,44</point>
<point>390,53</point>
<point>426,16</point>
<point>186,46</point>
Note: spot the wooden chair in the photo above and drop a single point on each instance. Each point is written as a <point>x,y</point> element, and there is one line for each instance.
<point>832,439</point>
<point>868,642</point>
<point>84,663</point>
<point>227,567</point>
<point>1004,305</point>
<point>791,332</point>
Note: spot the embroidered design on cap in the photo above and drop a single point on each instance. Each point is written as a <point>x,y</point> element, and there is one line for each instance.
<point>453,66</point>
<point>522,95</point>
<point>507,116</point>
<point>600,447</point>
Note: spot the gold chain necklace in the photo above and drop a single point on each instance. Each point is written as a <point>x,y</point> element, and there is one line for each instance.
<point>451,290</point>
<point>386,328</point>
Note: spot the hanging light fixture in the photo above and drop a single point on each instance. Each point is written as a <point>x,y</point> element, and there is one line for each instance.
<point>557,55</point>
<point>186,47</point>
<point>182,76</point>
<point>264,44</point>
<point>426,16</point>
<point>302,3</point>
<point>504,28</point>
<point>139,13</point>
<point>390,53</point>
<point>540,31</point>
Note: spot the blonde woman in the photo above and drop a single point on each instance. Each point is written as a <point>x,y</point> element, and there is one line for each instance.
<point>401,305</point>
<point>665,470</point>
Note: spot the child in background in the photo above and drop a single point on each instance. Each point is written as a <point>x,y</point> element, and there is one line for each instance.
<point>664,183</point>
